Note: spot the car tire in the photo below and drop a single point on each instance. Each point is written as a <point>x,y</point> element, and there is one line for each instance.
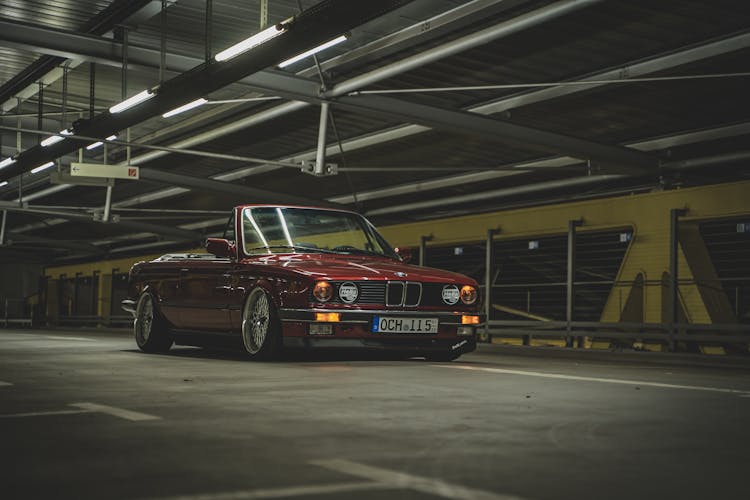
<point>261,333</point>
<point>443,357</point>
<point>149,327</point>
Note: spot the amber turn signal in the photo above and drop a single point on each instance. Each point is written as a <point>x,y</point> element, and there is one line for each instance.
<point>323,291</point>
<point>468,294</point>
<point>469,320</point>
<point>328,317</point>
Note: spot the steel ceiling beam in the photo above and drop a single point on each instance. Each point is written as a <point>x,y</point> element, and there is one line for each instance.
<point>655,144</point>
<point>203,184</point>
<point>314,26</point>
<point>156,229</point>
<point>105,21</point>
<point>20,238</point>
<point>473,40</point>
<point>622,159</point>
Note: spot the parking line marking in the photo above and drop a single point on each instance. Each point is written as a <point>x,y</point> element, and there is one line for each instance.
<point>291,491</point>
<point>4,384</point>
<point>598,379</point>
<point>401,480</point>
<point>133,416</point>
<point>79,339</point>
<point>44,413</point>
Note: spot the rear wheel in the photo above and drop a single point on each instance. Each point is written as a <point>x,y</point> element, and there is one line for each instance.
<point>150,328</point>
<point>261,333</point>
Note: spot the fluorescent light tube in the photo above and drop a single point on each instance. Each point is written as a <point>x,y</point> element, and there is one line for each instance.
<point>96,144</point>
<point>186,107</point>
<point>7,162</point>
<point>310,52</point>
<point>4,183</point>
<point>132,101</point>
<point>43,167</point>
<point>53,139</point>
<point>251,42</point>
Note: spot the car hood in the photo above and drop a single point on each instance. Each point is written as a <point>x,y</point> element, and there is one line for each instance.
<point>356,267</point>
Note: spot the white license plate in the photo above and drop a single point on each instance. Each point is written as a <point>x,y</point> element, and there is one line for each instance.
<point>389,324</point>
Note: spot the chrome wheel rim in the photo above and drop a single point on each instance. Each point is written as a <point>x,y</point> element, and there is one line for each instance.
<point>145,319</point>
<point>255,321</point>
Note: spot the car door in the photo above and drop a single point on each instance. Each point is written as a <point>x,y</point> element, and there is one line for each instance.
<point>205,288</point>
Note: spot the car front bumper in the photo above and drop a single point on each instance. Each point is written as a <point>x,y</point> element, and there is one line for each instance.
<point>354,330</point>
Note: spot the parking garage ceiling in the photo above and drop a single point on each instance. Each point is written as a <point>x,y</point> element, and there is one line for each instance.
<point>431,108</point>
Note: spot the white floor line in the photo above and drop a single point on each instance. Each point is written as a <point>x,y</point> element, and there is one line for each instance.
<point>290,491</point>
<point>44,413</point>
<point>401,480</point>
<point>597,379</point>
<point>133,416</point>
<point>78,339</point>
<point>4,384</point>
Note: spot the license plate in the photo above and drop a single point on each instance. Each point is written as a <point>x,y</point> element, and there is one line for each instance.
<point>388,324</point>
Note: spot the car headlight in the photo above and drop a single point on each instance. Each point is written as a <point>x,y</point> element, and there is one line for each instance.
<point>468,294</point>
<point>323,291</point>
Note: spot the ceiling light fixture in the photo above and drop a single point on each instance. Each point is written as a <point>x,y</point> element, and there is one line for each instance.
<point>132,101</point>
<point>186,107</point>
<point>54,139</point>
<point>43,167</point>
<point>317,49</point>
<point>7,162</point>
<point>249,43</point>
<point>99,143</point>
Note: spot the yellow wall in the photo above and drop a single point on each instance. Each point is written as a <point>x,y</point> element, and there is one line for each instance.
<point>647,215</point>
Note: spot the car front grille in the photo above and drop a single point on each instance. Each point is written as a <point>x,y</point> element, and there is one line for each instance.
<point>392,293</point>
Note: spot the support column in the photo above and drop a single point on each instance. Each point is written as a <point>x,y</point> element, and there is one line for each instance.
<point>209,25</point>
<point>320,157</point>
<point>489,267</point>
<point>674,242</point>
<point>570,282</point>
<point>2,227</point>
<point>423,248</point>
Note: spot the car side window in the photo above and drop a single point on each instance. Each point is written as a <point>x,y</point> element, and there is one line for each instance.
<point>229,229</point>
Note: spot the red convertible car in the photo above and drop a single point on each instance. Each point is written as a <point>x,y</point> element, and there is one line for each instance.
<point>285,277</point>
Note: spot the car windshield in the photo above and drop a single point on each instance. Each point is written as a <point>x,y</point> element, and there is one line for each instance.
<point>309,230</point>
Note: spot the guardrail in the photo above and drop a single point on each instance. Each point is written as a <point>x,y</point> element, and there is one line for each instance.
<point>667,333</point>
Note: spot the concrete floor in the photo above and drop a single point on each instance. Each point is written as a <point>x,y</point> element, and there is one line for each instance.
<point>86,415</point>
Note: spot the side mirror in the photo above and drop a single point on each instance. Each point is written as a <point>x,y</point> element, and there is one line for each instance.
<point>405,254</point>
<point>221,248</point>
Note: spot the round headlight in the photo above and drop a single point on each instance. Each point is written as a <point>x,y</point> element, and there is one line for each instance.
<point>450,294</point>
<point>348,292</point>
<point>323,291</point>
<point>468,294</point>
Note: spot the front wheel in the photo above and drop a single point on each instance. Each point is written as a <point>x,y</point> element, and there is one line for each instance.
<point>261,334</point>
<point>150,328</point>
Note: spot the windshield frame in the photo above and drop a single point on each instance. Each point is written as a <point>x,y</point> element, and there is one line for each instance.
<point>365,226</point>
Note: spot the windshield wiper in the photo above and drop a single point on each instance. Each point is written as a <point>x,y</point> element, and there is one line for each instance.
<point>293,247</point>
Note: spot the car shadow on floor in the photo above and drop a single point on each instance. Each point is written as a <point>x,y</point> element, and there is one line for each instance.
<point>293,356</point>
